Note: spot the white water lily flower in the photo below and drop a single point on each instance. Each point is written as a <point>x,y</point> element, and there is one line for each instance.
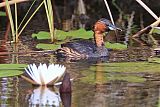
<point>44,74</point>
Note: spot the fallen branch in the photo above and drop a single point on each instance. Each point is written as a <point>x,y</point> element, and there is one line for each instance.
<point>12,2</point>
<point>146,29</point>
<point>29,52</point>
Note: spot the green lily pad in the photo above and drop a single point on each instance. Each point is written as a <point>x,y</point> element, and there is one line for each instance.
<point>80,33</point>
<point>7,70</point>
<point>2,13</point>
<point>47,46</point>
<point>42,35</point>
<point>62,35</point>
<point>117,46</point>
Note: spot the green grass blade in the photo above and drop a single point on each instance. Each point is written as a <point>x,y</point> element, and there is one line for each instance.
<point>49,13</point>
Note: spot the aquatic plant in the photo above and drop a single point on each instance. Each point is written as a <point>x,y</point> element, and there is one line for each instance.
<point>7,70</point>
<point>49,13</point>
<point>62,35</point>
<point>43,74</point>
<point>10,19</point>
<point>109,11</point>
<point>16,31</point>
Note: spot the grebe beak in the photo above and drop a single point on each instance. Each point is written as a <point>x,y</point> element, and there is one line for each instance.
<point>113,27</point>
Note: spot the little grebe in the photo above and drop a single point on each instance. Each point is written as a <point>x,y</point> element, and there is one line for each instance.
<point>85,48</point>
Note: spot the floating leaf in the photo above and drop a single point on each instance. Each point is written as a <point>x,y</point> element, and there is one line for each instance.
<point>42,35</point>
<point>80,33</point>
<point>11,69</point>
<point>118,46</point>
<point>47,46</point>
<point>2,13</point>
<point>7,73</point>
<point>62,35</point>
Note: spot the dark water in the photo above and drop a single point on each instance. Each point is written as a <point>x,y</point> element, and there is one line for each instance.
<point>15,92</point>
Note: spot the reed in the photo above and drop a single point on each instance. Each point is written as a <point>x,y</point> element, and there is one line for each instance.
<point>11,20</point>
<point>50,18</point>
<point>147,9</point>
<point>16,31</point>
<point>109,11</point>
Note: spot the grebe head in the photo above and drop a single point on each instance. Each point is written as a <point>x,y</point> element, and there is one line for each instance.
<point>103,25</point>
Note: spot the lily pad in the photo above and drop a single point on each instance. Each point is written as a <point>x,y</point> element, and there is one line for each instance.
<point>62,35</point>
<point>2,13</point>
<point>117,46</point>
<point>80,33</point>
<point>7,70</point>
<point>48,46</point>
<point>42,35</point>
